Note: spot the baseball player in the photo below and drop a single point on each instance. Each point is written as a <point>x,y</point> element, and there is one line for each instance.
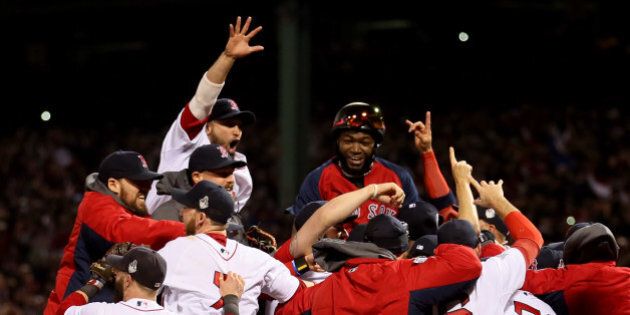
<point>113,210</point>
<point>138,274</point>
<point>319,219</point>
<point>358,129</point>
<point>198,261</point>
<point>496,289</point>
<point>368,279</point>
<point>209,162</point>
<point>207,120</point>
<point>590,282</point>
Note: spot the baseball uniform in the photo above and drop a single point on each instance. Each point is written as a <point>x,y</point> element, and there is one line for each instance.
<point>185,135</point>
<point>132,306</point>
<point>495,290</point>
<point>196,262</point>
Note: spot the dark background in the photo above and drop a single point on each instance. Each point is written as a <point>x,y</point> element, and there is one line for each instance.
<point>536,97</point>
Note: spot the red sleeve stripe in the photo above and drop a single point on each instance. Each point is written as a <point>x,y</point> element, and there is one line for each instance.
<point>190,123</point>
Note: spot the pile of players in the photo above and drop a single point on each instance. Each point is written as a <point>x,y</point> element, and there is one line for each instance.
<point>363,242</point>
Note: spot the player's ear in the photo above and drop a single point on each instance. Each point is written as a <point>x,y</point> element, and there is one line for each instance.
<point>196,177</point>
<point>114,185</point>
<point>201,217</point>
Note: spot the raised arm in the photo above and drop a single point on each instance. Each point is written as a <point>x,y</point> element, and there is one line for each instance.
<point>338,209</point>
<point>210,86</point>
<point>528,238</point>
<point>440,194</point>
<point>461,173</point>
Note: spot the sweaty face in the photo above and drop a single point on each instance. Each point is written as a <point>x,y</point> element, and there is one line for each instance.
<point>226,133</point>
<point>133,194</point>
<point>355,147</point>
<point>222,177</point>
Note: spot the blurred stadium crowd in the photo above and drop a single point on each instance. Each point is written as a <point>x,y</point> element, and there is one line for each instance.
<point>560,166</point>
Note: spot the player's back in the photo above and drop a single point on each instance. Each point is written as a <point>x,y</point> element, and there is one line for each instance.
<point>382,286</point>
<point>500,277</point>
<point>195,264</point>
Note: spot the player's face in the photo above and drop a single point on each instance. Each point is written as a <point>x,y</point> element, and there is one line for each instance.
<point>355,147</point>
<point>483,225</point>
<point>188,217</point>
<point>133,194</point>
<point>337,232</point>
<point>222,177</point>
<point>226,133</point>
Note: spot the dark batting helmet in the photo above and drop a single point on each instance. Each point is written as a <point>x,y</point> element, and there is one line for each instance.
<point>360,116</point>
<point>594,242</point>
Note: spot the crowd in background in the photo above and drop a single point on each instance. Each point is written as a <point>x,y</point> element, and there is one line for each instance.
<point>558,164</point>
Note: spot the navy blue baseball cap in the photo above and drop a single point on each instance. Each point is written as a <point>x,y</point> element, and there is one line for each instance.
<point>387,232</point>
<point>209,198</point>
<point>424,246</point>
<point>126,164</point>
<point>550,256</point>
<point>145,266</point>
<point>226,108</point>
<point>491,217</point>
<point>459,232</point>
<point>422,218</point>
<point>212,157</point>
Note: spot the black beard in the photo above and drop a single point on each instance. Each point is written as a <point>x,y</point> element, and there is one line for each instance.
<point>118,291</point>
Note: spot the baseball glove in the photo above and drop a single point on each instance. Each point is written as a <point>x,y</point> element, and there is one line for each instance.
<point>102,271</point>
<point>261,239</point>
<point>120,249</point>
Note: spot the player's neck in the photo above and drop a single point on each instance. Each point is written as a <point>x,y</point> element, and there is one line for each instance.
<point>208,227</point>
<point>137,293</point>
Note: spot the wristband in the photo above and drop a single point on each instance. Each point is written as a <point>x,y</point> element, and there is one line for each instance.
<point>300,265</point>
<point>374,193</point>
<point>92,287</point>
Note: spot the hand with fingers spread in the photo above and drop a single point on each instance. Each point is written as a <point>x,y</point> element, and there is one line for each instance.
<point>422,133</point>
<point>490,194</point>
<point>388,193</point>
<point>461,170</point>
<point>238,43</point>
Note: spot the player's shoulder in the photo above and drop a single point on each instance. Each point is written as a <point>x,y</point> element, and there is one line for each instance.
<point>180,244</point>
<point>392,166</point>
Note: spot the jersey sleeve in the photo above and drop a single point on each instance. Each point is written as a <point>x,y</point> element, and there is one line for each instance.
<point>283,254</point>
<point>309,191</point>
<point>116,225</point>
<point>244,184</point>
<point>544,281</point>
<point>505,272</point>
<point>278,282</point>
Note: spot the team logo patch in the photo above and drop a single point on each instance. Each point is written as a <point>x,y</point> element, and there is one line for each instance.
<point>490,213</point>
<point>204,203</point>
<point>412,205</point>
<point>157,284</point>
<point>233,105</point>
<point>420,247</point>
<point>143,161</point>
<point>133,266</point>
